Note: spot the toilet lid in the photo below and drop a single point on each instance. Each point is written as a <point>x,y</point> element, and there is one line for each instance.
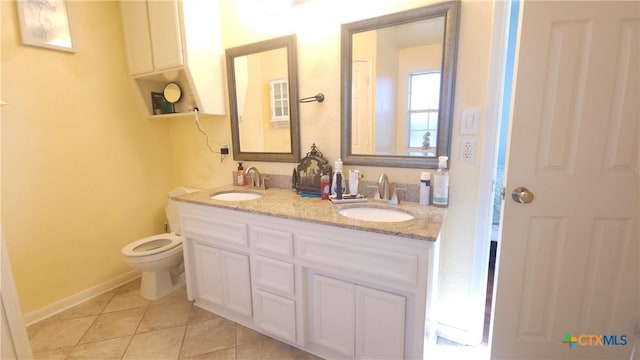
<point>152,245</point>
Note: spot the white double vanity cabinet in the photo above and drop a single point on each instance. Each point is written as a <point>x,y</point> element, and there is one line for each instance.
<point>294,269</point>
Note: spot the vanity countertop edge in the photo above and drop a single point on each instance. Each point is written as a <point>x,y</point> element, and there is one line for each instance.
<point>287,204</point>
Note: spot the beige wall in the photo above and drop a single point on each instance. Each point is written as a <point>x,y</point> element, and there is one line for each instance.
<point>318,29</point>
<point>84,172</point>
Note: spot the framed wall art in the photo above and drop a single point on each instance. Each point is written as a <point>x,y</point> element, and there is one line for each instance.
<point>45,23</point>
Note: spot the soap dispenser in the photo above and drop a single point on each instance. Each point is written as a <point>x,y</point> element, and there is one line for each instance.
<point>242,180</point>
<point>441,183</point>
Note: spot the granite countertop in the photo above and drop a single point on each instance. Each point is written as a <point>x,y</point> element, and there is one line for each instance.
<point>287,204</point>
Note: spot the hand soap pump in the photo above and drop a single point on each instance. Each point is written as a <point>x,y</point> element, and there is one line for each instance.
<point>441,183</point>
<point>338,185</point>
<point>241,176</point>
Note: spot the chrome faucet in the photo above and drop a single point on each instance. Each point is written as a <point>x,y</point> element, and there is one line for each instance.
<point>383,187</point>
<point>256,180</point>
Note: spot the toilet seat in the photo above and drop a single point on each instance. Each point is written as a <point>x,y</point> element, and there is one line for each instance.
<point>152,245</point>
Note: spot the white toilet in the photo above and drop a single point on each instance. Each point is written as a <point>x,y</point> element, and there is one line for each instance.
<point>159,257</point>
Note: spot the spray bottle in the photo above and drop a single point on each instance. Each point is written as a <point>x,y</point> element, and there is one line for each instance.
<point>441,183</point>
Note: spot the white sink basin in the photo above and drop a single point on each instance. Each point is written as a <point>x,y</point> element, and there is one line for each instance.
<point>375,214</point>
<point>236,196</point>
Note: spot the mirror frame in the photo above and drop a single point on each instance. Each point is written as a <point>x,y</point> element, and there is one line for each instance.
<point>451,13</point>
<point>288,42</point>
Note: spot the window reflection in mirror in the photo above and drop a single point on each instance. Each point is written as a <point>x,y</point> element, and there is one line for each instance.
<point>393,67</point>
<point>397,83</point>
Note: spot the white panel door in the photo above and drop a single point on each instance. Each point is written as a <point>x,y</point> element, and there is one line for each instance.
<point>166,40</point>
<point>380,324</point>
<point>236,282</point>
<point>568,263</point>
<point>333,315</point>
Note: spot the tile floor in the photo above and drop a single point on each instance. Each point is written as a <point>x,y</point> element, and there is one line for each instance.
<point>122,325</point>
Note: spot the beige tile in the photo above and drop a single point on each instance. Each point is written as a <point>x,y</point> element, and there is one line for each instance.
<point>199,315</point>
<point>274,349</point>
<point>90,307</point>
<point>55,354</point>
<point>225,354</point>
<point>103,350</point>
<point>166,314</point>
<point>245,335</point>
<point>208,336</point>
<point>178,295</point>
<point>267,349</point>
<point>298,354</point>
<point>114,325</point>
<point>131,286</point>
<point>125,301</point>
<point>58,334</point>
<point>157,345</point>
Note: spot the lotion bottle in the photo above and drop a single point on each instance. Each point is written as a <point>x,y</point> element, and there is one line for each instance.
<point>242,180</point>
<point>441,183</point>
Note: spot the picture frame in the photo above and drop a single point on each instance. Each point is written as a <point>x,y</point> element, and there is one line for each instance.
<point>45,23</point>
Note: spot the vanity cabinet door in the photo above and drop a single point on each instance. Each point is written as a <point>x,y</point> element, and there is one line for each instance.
<point>380,324</point>
<point>332,315</point>
<point>356,321</point>
<point>222,278</point>
<point>208,277</point>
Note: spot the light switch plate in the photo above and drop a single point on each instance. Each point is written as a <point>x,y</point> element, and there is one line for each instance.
<point>469,122</point>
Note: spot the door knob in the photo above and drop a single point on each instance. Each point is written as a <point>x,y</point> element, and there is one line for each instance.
<point>522,195</point>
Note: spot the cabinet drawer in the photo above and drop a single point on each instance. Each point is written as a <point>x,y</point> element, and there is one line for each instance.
<point>273,275</point>
<point>269,241</point>
<point>379,264</point>
<point>215,231</point>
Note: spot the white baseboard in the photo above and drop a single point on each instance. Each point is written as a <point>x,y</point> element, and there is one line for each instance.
<point>82,296</point>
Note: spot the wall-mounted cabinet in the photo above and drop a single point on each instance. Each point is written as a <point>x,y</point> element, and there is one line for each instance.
<point>176,41</point>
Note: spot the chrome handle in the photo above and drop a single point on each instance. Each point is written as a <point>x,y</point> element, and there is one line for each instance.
<point>522,195</point>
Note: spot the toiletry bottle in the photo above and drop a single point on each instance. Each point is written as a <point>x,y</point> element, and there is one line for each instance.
<point>425,188</point>
<point>441,183</point>
<point>242,180</point>
<point>324,187</point>
<point>334,184</point>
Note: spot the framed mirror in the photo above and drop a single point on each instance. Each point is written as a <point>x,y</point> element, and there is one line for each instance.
<point>398,77</point>
<point>263,100</point>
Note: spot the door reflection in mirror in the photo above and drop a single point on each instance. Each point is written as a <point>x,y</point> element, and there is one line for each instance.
<point>256,76</point>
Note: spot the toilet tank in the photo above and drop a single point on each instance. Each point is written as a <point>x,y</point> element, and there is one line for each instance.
<point>172,208</point>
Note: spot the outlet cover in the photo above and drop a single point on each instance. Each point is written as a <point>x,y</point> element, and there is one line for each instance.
<point>468,151</point>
